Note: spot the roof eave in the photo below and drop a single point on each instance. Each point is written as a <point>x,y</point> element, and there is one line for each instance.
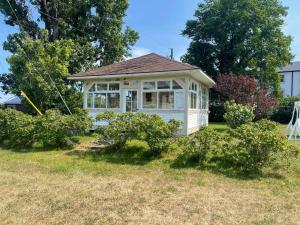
<point>165,73</point>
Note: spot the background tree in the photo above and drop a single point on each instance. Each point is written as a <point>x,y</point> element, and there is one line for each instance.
<point>95,27</point>
<point>37,65</point>
<point>239,37</point>
<point>247,91</point>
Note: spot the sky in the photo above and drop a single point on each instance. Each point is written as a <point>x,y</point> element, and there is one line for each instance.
<point>159,24</point>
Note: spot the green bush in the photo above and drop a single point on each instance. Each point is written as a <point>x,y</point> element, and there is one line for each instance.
<point>283,114</point>
<point>197,146</point>
<point>128,126</point>
<point>237,114</point>
<point>258,145</point>
<point>17,128</point>
<point>57,130</point>
<point>51,129</point>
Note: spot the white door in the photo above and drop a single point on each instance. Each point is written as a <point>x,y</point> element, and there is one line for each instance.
<point>129,100</point>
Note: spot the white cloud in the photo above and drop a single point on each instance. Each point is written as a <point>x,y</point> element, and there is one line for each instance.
<point>139,51</point>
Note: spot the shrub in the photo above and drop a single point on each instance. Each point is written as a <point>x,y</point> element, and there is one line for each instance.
<point>247,91</point>
<point>237,114</point>
<point>197,146</point>
<point>127,126</point>
<point>51,129</point>
<point>55,129</point>
<point>17,128</point>
<point>258,145</point>
<point>283,114</point>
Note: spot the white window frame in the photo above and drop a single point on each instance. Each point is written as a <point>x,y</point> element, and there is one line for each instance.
<point>106,92</point>
<point>195,92</point>
<point>156,90</point>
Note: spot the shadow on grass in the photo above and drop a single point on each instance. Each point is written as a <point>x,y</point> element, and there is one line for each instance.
<point>221,166</point>
<point>30,149</point>
<point>134,153</point>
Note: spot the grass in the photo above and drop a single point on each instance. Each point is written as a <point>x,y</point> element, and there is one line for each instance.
<point>86,187</point>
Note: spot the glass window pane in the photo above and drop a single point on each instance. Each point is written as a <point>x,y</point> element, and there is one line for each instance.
<point>114,87</point>
<point>90,101</point>
<point>193,100</point>
<point>99,100</point>
<point>176,85</point>
<point>150,100</point>
<point>101,87</point>
<point>166,100</point>
<point>113,100</point>
<point>149,85</point>
<point>164,84</point>
<point>92,89</point>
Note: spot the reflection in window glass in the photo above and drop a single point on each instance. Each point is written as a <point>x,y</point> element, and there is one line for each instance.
<point>92,89</point>
<point>176,85</point>
<point>114,87</point>
<point>101,87</point>
<point>149,85</point>
<point>193,100</point>
<point>113,100</point>
<point>164,84</point>
<point>99,100</point>
<point>166,100</point>
<point>90,100</point>
<point>150,100</point>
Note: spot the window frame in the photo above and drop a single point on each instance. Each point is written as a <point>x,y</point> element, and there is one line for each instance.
<point>106,92</point>
<point>157,91</point>
<point>193,83</point>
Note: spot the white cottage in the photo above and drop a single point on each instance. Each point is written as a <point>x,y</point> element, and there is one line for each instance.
<point>151,84</point>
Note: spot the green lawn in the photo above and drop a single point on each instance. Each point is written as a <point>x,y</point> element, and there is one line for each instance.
<point>79,186</point>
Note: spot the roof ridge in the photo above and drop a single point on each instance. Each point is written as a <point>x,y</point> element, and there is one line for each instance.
<point>173,60</point>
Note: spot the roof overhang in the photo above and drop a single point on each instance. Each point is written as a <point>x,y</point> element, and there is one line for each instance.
<point>197,74</point>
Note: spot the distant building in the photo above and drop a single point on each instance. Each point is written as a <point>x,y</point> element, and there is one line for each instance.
<point>13,103</point>
<point>290,79</point>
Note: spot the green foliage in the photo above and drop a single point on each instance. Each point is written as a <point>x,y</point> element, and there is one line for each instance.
<point>259,145</point>
<point>237,114</point>
<point>239,37</point>
<point>96,23</point>
<point>128,126</point>
<point>55,129</point>
<point>197,146</point>
<point>16,127</point>
<point>32,67</point>
<point>283,114</point>
<point>52,129</point>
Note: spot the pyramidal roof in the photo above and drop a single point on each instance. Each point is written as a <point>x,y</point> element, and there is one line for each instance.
<point>145,64</point>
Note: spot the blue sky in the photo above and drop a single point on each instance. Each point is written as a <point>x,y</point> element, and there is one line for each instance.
<point>160,22</point>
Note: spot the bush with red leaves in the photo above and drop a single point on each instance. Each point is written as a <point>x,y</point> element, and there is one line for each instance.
<point>246,90</point>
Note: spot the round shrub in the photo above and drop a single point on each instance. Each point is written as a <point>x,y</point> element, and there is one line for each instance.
<point>128,126</point>
<point>237,114</point>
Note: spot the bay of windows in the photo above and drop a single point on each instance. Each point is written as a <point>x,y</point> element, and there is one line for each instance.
<point>160,94</point>
<point>104,96</point>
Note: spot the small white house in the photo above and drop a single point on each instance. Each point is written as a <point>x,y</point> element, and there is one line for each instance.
<point>290,79</point>
<point>151,84</point>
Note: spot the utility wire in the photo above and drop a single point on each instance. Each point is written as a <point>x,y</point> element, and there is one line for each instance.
<point>53,83</point>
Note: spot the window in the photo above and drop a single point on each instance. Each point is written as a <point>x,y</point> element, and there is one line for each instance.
<point>162,94</point>
<point>149,85</point>
<point>104,95</point>
<point>176,86</point>
<point>99,100</point>
<point>150,100</point>
<point>200,96</point>
<point>164,84</point>
<point>281,78</point>
<point>205,98</point>
<point>166,100</point>
<point>193,95</point>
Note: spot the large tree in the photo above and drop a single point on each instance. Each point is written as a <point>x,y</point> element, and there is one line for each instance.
<point>98,36</point>
<point>239,37</point>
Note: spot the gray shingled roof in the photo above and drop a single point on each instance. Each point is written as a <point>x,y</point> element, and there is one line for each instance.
<point>145,64</point>
<point>291,67</point>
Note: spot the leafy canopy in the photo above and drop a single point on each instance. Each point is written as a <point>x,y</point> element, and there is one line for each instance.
<point>239,37</point>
